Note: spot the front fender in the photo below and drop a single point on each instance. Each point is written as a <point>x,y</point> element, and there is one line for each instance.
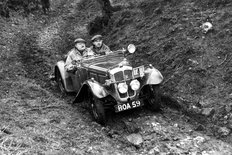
<point>60,67</point>
<point>96,88</point>
<point>153,76</point>
<point>65,76</point>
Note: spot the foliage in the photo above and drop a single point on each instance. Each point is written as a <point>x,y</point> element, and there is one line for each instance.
<point>212,3</point>
<point>168,34</point>
<point>26,5</point>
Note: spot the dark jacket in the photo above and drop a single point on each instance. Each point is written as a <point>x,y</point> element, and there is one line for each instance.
<point>103,50</point>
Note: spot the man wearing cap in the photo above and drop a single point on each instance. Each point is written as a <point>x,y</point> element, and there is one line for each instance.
<point>77,53</point>
<point>98,47</point>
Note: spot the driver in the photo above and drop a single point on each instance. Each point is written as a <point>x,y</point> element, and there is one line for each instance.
<point>77,53</point>
<point>98,47</point>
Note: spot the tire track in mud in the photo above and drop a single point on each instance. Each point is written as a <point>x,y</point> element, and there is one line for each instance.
<point>37,61</point>
<point>31,57</point>
<point>38,45</point>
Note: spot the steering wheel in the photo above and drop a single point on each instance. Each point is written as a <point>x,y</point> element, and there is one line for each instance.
<point>88,56</point>
<point>121,50</point>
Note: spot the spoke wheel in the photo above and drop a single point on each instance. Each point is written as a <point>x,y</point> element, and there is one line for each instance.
<point>60,82</point>
<point>97,110</point>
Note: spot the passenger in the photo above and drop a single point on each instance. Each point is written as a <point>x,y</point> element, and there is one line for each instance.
<point>98,47</point>
<point>77,53</point>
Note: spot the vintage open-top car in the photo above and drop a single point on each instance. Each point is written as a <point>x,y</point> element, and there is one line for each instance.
<point>110,81</point>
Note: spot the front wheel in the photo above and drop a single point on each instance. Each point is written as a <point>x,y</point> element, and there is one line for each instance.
<point>97,110</point>
<point>154,100</point>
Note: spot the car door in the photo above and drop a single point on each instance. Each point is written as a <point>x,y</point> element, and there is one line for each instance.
<point>78,78</point>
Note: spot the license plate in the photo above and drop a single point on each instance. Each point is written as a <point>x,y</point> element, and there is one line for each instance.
<point>138,71</point>
<point>127,106</point>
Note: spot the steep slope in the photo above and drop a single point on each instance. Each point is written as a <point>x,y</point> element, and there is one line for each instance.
<point>36,119</point>
<point>196,65</point>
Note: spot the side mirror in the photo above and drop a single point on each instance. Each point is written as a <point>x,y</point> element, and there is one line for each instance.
<point>131,48</point>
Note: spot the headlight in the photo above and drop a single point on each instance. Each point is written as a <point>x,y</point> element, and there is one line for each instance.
<point>122,88</point>
<point>135,84</point>
<point>131,48</point>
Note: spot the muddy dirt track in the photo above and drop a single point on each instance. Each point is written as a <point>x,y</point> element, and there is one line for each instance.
<point>36,119</point>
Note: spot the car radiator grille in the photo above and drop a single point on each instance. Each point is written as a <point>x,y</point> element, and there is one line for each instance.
<point>119,76</point>
<point>125,76</point>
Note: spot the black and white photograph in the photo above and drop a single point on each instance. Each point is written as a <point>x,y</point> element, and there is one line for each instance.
<point>115,77</point>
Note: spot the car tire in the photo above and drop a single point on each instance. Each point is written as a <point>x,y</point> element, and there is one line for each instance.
<point>154,100</point>
<point>60,82</point>
<point>97,110</point>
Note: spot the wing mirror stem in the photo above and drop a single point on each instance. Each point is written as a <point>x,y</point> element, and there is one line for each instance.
<point>124,52</point>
